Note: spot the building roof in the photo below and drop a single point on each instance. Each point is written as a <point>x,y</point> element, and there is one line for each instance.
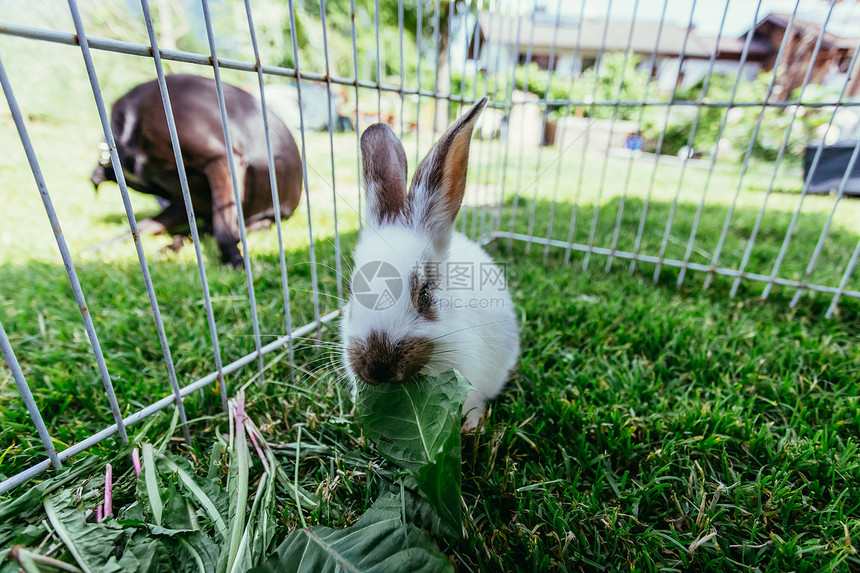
<point>809,29</point>
<point>733,47</point>
<point>540,32</point>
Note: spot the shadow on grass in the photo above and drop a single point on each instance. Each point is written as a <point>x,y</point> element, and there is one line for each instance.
<point>121,220</point>
<point>41,317</point>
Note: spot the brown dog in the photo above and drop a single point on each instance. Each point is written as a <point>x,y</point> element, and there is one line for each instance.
<point>143,143</point>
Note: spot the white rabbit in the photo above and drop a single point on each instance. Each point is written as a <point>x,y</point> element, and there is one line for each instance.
<point>424,298</point>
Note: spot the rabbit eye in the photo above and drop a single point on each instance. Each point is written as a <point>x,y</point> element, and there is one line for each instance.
<point>422,297</point>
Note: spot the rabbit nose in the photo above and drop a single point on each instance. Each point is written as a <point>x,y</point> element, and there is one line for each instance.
<point>377,360</point>
<point>382,372</point>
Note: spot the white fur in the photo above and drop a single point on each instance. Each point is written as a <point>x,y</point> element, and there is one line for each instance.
<point>481,343</point>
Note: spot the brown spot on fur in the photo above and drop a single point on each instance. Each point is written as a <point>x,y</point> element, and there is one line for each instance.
<point>384,167</point>
<point>445,168</point>
<point>456,169</point>
<point>378,360</point>
<point>423,293</point>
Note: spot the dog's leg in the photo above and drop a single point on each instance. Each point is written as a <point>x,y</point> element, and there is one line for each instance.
<point>170,218</point>
<point>225,222</point>
<point>176,244</point>
<point>259,225</point>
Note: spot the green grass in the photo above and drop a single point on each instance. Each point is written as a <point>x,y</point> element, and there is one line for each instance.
<point>640,421</point>
<point>656,419</point>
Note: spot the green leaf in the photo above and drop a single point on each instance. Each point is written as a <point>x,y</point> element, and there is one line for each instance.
<point>417,426</point>
<point>203,553</point>
<point>29,504</point>
<point>419,511</point>
<point>178,553</point>
<point>176,515</point>
<point>440,481</point>
<point>96,547</point>
<point>378,543</point>
<point>130,544</point>
<point>412,421</point>
<point>11,536</point>
<point>205,491</point>
<point>160,500</point>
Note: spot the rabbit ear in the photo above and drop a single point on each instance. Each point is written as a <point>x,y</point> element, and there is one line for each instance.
<point>384,162</point>
<point>440,180</point>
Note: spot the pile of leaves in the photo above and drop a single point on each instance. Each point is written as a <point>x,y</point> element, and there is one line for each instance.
<point>181,519</point>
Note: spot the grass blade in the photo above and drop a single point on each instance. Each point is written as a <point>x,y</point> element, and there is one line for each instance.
<point>152,490</point>
<point>239,448</point>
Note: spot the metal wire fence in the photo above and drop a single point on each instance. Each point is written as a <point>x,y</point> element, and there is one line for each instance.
<point>533,193</point>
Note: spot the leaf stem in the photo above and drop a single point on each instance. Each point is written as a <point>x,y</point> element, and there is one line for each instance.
<point>30,561</point>
<point>241,450</point>
<point>296,479</point>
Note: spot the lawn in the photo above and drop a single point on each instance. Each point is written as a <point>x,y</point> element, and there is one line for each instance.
<point>644,428</point>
